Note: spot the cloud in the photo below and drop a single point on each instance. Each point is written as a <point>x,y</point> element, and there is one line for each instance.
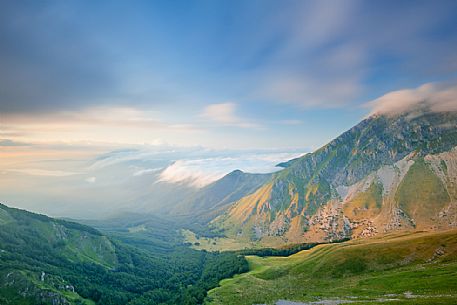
<point>201,172</point>
<point>429,97</point>
<point>42,172</point>
<point>189,172</point>
<point>102,124</point>
<point>225,114</point>
<point>49,62</point>
<point>317,54</point>
<point>144,171</point>
<point>308,91</point>
<point>95,115</point>
<point>331,53</point>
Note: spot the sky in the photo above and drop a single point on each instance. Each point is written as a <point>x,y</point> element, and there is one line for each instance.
<point>221,74</point>
<point>97,96</point>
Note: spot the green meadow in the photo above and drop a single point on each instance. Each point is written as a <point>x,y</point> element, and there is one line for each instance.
<point>409,268</point>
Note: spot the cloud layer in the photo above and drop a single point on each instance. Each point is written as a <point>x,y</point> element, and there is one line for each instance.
<point>67,183</point>
<point>201,172</point>
<point>74,55</point>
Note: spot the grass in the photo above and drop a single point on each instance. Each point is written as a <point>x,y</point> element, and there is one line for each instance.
<point>92,249</point>
<point>365,204</point>
<point>421,193</point>
<point>414,268</point>
<point>215,243</point>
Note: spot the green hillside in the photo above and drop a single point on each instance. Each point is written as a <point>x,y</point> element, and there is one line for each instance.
<point>414,268</point>
<point>421,193</point>
<point>50,261</point>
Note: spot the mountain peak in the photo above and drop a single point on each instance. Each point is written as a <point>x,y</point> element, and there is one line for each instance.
<point>359,184</point>
<point>236,172</point>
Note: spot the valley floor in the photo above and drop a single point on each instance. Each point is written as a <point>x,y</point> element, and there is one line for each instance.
<point>408,268</point>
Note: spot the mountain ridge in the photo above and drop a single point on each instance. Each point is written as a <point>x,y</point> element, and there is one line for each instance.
<point>315,197</point>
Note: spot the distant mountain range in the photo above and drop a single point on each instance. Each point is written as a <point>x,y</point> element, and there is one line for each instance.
<point>388,173</point>
<point>179,200</point>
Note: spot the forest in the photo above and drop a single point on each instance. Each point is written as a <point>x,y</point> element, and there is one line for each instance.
<point>131,275</point>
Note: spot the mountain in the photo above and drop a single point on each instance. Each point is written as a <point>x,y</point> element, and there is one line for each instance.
<point>218,195</point>
<point>52,261</point>
<point>388,173</point>
<point>148,195</point>
<point>31,248</point>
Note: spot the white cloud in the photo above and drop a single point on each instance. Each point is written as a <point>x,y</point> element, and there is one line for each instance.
<point>121,125</point>
<point>42,172</point>
<point>201,172</point>
<point>192,172</point>
<point>430,97</point>
<point>225,114</point>
<point>144,171</point>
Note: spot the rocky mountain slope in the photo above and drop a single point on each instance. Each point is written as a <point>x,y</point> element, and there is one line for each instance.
<point>388,173</point>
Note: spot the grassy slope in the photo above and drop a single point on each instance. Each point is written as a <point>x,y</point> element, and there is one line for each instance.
<point>22,233</point>
<point>31,284</point>
<point>424,264</point>
<point>365,204</point>
<point>421,194</point>
<point>73,241</point>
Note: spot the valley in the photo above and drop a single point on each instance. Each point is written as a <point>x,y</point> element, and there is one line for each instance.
<point>51,261</point>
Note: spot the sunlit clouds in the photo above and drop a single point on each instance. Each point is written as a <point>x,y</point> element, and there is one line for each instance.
<point>428,97</point>
<point>225,114</point>
<point>119,125</point>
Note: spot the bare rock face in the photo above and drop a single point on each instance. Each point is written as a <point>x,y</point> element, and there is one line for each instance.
<point>50,297</point>
<point>386,174</point>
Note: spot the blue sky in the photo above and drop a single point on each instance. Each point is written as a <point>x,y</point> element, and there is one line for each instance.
<point>222,74</point>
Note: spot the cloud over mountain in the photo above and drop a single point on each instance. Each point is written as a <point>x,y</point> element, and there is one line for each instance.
<point>429,97</point>
<point>202,171</point>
